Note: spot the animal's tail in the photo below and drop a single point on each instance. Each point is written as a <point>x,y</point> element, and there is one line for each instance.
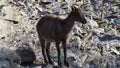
<point>39,23</point>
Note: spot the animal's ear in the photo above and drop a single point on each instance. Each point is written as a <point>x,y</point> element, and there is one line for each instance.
<point>74,8</point>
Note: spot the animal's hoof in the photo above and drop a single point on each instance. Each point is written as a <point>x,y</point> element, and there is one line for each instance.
<point>46,62</point>
<point>51,62</point>
<point>66,64</point>
<point>60,64</point>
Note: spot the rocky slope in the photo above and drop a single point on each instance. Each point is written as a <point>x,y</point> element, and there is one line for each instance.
<point>96,45</point>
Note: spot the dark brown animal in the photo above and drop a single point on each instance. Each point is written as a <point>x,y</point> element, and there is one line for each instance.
<point>53,28</point>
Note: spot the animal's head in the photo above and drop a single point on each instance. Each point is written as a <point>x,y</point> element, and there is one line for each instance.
<point>78,15</point>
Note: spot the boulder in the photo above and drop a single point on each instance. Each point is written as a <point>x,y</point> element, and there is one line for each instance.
<point>117,21</point>
<point>8,57</point>
<point>92,23</point>
<point>26,54</point>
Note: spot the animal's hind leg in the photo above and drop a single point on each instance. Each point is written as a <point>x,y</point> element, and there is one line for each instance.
<point>42,41</point>
<point>59,53</point>
<point>48,53</point>
<point>65,53</point>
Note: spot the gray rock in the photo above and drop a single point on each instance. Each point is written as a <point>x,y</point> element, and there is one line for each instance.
<point>56,7</point>
<point>81,59</point>
<point>8,57</point>
<point>46,1</point>
<point>37,67</point>
<point>27,55</point>
<point>115,51</point>
<point>93,56</point>
<point>110,65</point>
<point>118,64</point>
<point>98,30</point>
<point>117,21</point>
<point>92,23</point>
<point>103,39</point>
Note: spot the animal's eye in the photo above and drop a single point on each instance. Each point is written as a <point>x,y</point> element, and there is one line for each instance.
<point>76,9</point>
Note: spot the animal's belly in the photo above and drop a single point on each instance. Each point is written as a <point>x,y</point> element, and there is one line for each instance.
<point>47,35</point>
<point>51,31</point>
<point>48,38</point>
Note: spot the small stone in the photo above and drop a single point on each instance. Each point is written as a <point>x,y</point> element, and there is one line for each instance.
<point>93,56</point>
<point>46,1</point>
<point>117,21</point>
<point>92,23</point>
<point>37,67</point>
<point>115,51</point>
<point>83,58</point>
<point>99,30</point>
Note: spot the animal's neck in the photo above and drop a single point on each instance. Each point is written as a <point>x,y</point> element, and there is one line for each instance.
<point>68,23</point>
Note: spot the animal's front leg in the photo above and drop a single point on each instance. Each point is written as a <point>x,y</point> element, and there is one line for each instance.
<point>48,53</point>
<point>65,53</point>
<point>43,51</point>
<point>58,52</point>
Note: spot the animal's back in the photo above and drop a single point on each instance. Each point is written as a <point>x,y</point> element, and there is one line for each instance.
<point>48,25</point>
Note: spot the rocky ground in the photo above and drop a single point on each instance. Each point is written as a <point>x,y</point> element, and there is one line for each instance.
<point>96,45</point>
